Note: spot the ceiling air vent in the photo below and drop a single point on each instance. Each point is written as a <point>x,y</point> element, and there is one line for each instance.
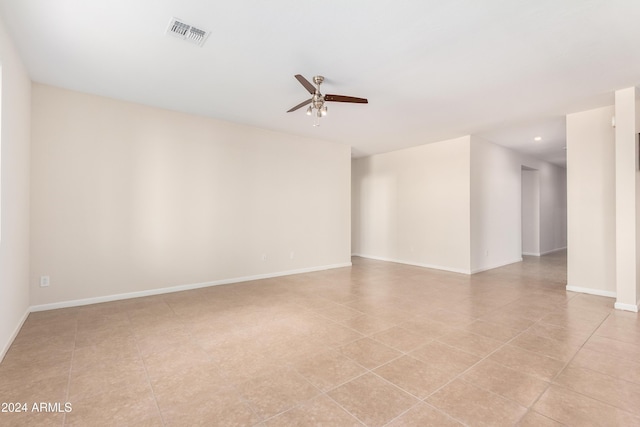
<point>187,32</point>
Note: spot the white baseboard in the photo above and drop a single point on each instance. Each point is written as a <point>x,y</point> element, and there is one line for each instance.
<point>496,265</point>
<point>416,264</point>
<point>591,291</point>
<point>553,251</point>
<point>626,307</point>
<point>13,336</point>
<point>180,288</point>
<point>544,253</point>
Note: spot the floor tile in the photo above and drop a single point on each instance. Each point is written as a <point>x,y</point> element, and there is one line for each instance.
<point>51,389</point>
<point>175,358</point>
<point>17,373</point>
<point>37,345</point>
<point>102,335</point>
<point>372,400</point>
<point>610,365</point>
<point>107,352</point>
<point>413,376</point>
<point>557,333</point>
<point>225,407</point>
<point>615,348</point>
<point>399,338</point>
<point>495,331</point>
<point>334,334</point>
<point>276,392</point>
<point>339,313</point>
<point>367,325</point>
<point>508,319</point>
<point>89,382</point>
<point>614,391</point>
<point>595,303</point>
<point>511,384</point>
<point>619,331</point>
<point>471,343</point>
<point>320,411</point>
<point>329,369</point>
<point>123,406</point>
<point>32,419</point>
<point>569,407</point>
<point>574,319</point>
<point>527,362</point>
<point>149,343</point>
<point>245,365</point>
<point>448,359</point>
<point>475,406</point>
<point>424,415</point>
<point>533,419</point>
<point>369,353</point>
<point>548,347</point>
<point>448,317</point>
<point>183,387</point>
<point>427,329</point>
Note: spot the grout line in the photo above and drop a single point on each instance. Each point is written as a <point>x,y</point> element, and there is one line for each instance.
<point>73,354</point>
<point>423,402</point>
<point>593,333</point>
<point>345,409</point>
<point>460,375</point>
<point>146,373</point>
<point>552,380</point>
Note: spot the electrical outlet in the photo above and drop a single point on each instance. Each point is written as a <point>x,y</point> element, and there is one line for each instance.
<point>264,257</point>
<point>292,254</point>
<point>44,281</point>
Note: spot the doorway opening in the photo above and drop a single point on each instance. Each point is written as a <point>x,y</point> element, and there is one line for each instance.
<point>530,211</point>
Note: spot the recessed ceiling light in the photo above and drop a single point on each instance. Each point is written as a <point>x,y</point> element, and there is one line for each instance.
<point>537,138</point>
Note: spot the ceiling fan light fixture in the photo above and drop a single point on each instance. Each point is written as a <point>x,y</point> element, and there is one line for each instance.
<point>317,101</point>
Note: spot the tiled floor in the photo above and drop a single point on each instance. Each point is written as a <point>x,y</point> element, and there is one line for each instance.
<point>376,344</point>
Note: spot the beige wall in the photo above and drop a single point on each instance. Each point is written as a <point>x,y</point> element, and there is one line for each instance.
<point>553,205</point>
<point>496,205</point>
<point>496,237</point>
<point>638,206</point>
<point>14,203</point>
<point>453,205</point>
<point>530,212</point>
<point>627,194</point>
<point>591,202</point>
<point>412,205</point>
<point>127,198</point>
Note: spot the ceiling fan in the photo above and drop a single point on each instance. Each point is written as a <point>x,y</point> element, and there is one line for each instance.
<point>317,99</point>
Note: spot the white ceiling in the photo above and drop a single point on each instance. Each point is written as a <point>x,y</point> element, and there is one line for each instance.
<point>507,70</point>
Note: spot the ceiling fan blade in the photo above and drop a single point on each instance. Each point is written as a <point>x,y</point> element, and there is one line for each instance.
<point>342,98</point>
<point>302,104</point>
<point>307,85</point>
